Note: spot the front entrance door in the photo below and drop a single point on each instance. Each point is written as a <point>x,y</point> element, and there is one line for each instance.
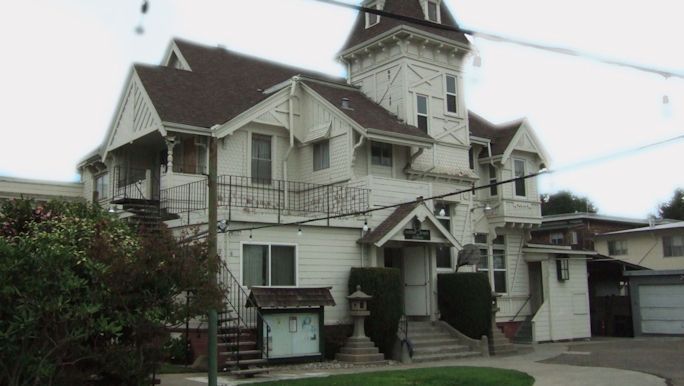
<point>416,293</point>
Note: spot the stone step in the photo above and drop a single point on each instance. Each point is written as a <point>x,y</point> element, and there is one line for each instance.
<point>359,350</point>
<point>454,348</point>
<point>417,358</point>
<point>245,343</point>
<point>432,342</point>
<point>251,371</point>
<point>241,353</point>
<point>246,362</point>
<point>359,358</point>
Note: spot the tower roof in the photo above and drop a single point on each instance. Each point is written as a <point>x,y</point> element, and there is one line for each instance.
<point>409,8</point>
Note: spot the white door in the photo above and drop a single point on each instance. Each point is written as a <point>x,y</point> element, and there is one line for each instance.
<point>662,309</point>
<point>416,300</point>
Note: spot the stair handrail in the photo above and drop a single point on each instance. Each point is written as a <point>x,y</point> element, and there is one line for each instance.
<point>237,308</point>
<point>521,308</point>
<point>403,332</point>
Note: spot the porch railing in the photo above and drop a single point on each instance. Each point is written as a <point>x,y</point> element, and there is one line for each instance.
<point>133,183</point>
<point>278,196</point>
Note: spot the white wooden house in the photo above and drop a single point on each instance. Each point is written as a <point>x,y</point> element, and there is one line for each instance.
<point>294,145</point>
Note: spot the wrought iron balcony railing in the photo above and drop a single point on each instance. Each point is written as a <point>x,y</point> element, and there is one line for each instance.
<point>278,196</point>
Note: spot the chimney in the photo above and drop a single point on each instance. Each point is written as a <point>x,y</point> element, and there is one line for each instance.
<point>651,222</point>
<point>345,103</point>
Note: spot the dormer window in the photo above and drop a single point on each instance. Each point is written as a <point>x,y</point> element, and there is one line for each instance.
<point>372,18</point>
<point>432,11</point>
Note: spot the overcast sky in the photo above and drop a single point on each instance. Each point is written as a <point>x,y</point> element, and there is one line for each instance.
<point>64,64</point>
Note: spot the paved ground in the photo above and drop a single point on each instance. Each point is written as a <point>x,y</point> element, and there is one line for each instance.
<point>654,355</point>
<point>545,374</point>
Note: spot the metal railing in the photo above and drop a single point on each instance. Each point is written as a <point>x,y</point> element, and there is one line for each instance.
<point>241,318</point>
<point>130,183</point>
<point>278,196</point>
<point>190,168</point>
<point>521,308</point>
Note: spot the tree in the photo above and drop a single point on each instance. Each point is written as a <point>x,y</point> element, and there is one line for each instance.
<point>85,300</point>
<point>674,208</point>
<point>566,202</point>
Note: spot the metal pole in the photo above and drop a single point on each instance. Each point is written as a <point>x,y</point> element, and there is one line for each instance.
<point>213,254</point>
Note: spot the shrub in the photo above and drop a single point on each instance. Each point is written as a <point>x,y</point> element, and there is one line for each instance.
<point>385,285</point>
<point>465,302</point>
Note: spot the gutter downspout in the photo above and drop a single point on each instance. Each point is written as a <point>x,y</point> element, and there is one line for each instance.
<point>353,151</point>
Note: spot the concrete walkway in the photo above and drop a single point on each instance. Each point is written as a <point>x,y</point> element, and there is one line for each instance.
<point>544,374</point>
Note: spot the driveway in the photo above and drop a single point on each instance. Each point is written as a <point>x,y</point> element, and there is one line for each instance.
<point>661,356</point>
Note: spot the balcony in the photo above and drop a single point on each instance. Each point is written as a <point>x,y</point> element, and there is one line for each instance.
<point>514,212</point>
<point>279,197</point>
<point>130,184</point>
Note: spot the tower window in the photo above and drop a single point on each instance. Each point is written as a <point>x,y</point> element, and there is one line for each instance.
<point>433,11</point>
<point>422,112</point>
<point>372,18</point>
<point>451,94</point>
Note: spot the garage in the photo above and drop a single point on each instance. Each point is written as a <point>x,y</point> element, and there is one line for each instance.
<point>657,302</point>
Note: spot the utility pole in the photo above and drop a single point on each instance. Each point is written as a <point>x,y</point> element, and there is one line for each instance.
<point>213,255</point>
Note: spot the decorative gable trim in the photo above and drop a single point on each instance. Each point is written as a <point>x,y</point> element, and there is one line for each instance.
<point>423,213</point>
<point>525,139</point>
<point>253,113</point>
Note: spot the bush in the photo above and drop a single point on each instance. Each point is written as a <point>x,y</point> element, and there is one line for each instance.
<point>385,285</point>
<point>83,297</point>
<point>176,350</point>
<point>465,302</point>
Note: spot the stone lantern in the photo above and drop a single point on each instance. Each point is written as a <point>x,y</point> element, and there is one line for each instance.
<point>358,302</point>
<point>359,348</point>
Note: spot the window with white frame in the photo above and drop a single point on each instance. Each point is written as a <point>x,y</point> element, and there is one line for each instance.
<point>451,101</point>
<point>563,268</point>
<point>261,158</point>
<point>617,247</point>
<point>321,155</point>
<point>443,252</point>
<point>422,112</point>
<point>432,13</point>
<point>269,265</point>
<point>519,171</point>
<point>372,18</point>
<point>673,246</point>
<point>556,238</point>
<point>381,154</point>
<point>493,189</point>
<point>493,262</point>
<point>102,185</point>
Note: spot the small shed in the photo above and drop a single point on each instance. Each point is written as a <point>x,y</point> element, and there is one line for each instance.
<point>295,317</point>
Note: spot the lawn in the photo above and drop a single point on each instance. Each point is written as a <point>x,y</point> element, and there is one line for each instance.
<point>462,376</point>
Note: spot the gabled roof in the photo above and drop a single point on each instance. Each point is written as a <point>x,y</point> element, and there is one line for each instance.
<point>221,85</point>
<point>399,218</point>
<point>280,297</point>
<point>499,135</point>
<point>410,8</point>
<point>363,110</point>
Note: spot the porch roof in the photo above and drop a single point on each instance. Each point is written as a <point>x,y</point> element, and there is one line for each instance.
<point>399,218</point>
<point>280,297</point>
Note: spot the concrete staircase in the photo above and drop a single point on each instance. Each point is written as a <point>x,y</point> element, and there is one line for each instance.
<point>432,342</point>
<point>500,345</point>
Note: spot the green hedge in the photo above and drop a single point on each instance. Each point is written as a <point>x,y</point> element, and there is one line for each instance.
<point>465,302</point>
<point>385,285</point>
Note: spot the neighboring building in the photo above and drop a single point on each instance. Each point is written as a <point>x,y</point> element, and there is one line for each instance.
<point>579,229</point>
<point>40,191</point>
<point>657,247</point>
<point>295,145</point>
<point>657,301</point>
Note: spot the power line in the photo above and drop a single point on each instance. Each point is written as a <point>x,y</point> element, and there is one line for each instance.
<point>504,39</point>
<point>454,193</point>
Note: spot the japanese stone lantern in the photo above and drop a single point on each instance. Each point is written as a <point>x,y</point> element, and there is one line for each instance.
<point>358,302</point>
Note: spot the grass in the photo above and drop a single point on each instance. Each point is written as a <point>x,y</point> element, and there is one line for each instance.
<point>461,376</point>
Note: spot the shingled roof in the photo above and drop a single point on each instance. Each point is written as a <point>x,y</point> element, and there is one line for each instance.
<point>409,8</point>
<point>388,224</point>
<point>364,111</point>
<point>277,297</point>
<point>223,84</point>
<point>500,135</point>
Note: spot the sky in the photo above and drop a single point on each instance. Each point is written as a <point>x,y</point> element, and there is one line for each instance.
<point>64,65</point>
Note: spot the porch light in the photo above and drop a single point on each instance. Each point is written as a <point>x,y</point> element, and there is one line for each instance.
<point>365,225</point>
<point>250,233</point>
<point>222,226</point>
<point>487,207</point>
<point>111,209</point>
<point>299,231</point>
<point>442,212</point>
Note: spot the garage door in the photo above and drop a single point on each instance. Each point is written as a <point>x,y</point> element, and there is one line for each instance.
<point>662,309</point>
